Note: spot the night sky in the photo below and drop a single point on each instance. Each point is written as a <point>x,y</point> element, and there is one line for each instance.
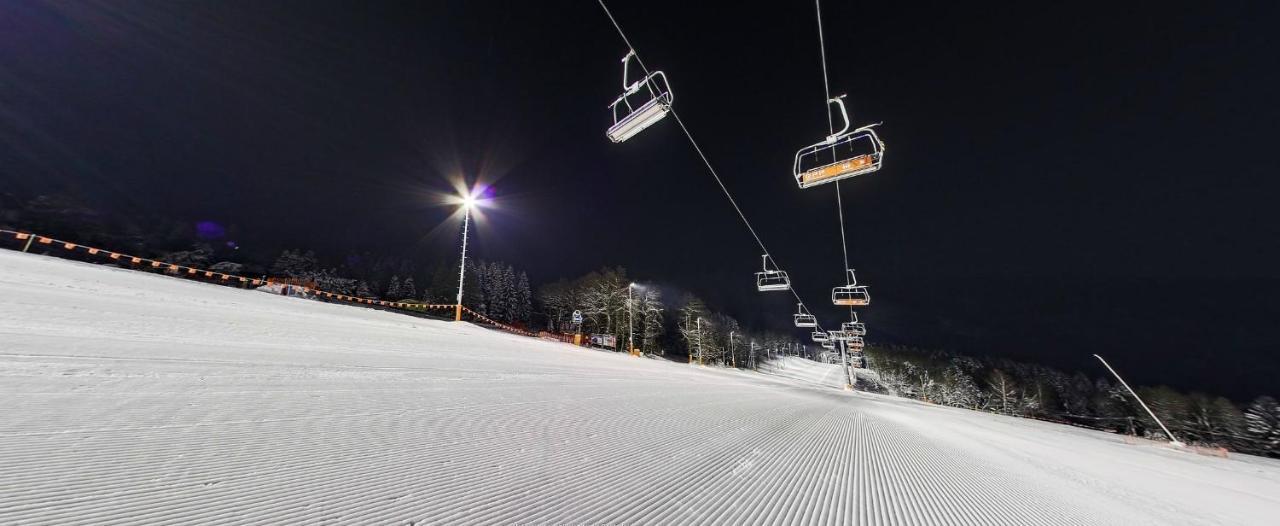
<point>1059,180</point>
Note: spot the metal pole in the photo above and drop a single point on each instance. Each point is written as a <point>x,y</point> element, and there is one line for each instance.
<point>844,362</point>
<point>1172,440</point>
<point>462,267</point>
<point>30,238</point>
<point>631,331</point>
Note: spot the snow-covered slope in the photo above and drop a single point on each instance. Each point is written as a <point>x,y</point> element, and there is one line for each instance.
<point>806,371</point>
<point>133,398</point>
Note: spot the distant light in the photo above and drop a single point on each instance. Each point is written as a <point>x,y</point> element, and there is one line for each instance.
<point>210,230</point>
<point>469,201</point>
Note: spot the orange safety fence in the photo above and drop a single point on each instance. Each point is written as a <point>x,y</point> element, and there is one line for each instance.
<point>223,276</point>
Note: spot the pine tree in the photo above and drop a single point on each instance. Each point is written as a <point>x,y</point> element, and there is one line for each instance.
<point>511,295</point>
<point>362,290</point>
<point>393,289</point>
<point>407,290</point>
<point>524,300</point>
<point>472,293</point>
<point>444,284</point>
<point>295,264</point>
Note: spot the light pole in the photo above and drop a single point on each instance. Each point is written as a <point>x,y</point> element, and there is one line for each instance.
<point>844,364</point>
<point>467,203</point>
<point>1172,440</point>
<point>631,331</point>
<point>752,359</point>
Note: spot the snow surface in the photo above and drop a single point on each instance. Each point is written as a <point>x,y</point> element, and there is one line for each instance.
<point>136,398</point>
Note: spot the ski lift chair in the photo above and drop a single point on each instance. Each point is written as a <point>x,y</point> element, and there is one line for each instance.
<point>851,295</point>
<point>828,345</point>
<point>855,344</point>
<point>854,328</point>
<point>628,119</point>
<point>803,319</point>
<point>771,279</point>
<point>819,337</point>
<point>837,336</point>
<point>841,155</point>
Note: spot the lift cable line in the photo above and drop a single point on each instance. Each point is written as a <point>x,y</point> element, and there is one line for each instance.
<point>768,256</point>
<point>850,333</point>
<point>850,280</point>
<point>831,127</point>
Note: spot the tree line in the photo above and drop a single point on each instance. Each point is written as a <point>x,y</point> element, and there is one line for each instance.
<point>1035,391</point>
<point>683,325</point>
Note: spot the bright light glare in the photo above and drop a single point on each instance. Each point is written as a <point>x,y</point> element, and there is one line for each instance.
<point>469,201</point>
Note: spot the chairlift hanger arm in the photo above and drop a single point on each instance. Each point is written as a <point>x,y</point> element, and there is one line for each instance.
<point>844,114</point>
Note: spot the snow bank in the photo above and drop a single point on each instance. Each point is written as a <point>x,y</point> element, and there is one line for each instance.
<point>137,398</point>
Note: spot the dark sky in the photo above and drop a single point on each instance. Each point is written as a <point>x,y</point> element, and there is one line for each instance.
<point>1059,180</point>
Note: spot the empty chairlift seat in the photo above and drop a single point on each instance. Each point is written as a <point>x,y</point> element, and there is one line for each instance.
<point>771,279</point>
<point>852,294</point>
<point>855,344</point>
<point>819,337</point>
<point>803,319</point>
<point>841,155</point>
<point>652,99</point>
<point>854,328</point>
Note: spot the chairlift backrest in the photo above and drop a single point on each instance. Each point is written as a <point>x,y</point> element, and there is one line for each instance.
<point>628,120</point>
<point>854,328</point>
<point>805,320</point>
<point>850,296</point>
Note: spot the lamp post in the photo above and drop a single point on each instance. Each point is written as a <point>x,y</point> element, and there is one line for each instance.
<point>631,331</point>
<point>467,203</point>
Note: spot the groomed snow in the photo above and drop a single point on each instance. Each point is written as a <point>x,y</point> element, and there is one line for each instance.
<point>134,398</point>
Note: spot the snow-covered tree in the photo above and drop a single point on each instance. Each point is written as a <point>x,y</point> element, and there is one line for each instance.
<point>407,290</point>
<point>696,330</point>
<point>510,295</point>
<point>394,290</point>
<point>197,257</point>
<point>958,388</point>
<point>558,303</point>
<point>227,267</point>
<point>1003,396</point>
<point>363,290</point>
<point>1262,426</point>
<point>295,264</point>
<point>651,309</point>
<point>444,284</point>
<point>524,300</point>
